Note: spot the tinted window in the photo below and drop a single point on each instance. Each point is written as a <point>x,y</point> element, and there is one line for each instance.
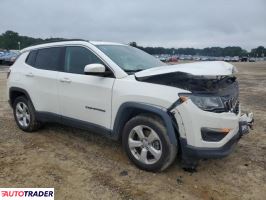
<point>76,58</point>
<point>49,58</point>
<point>31,58</point>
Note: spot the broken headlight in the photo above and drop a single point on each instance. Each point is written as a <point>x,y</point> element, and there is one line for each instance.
<point>207,103</point>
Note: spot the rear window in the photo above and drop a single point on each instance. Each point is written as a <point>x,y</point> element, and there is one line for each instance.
<point>31,58</point>
<point>49,58</point>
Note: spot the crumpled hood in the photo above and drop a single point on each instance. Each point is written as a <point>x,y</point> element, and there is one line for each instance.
<point>208,68</point>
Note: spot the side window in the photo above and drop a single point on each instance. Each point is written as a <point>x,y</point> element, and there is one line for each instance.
<point>49,58</point>
<point>31,58</point>
<point>76,58</point>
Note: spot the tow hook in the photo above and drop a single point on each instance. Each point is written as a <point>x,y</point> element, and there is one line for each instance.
<point>246,122</point>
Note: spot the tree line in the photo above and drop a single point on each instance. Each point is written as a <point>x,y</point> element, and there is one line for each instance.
<point>12,40</point>
<point>209,51</point>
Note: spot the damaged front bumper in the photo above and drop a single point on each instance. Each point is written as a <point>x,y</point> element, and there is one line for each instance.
<point>191,154</point>
<point>246,123</point>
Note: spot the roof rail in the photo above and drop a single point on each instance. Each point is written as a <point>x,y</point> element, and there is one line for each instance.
<point>52,40</point>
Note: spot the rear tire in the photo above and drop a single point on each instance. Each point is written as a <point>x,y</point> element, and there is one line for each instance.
<point>147,144</point>
<point>24,114</point>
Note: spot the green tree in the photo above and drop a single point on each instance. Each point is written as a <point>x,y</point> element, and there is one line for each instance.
<point>258,52</point>
<point>9,40</point>
<point>133,44</point>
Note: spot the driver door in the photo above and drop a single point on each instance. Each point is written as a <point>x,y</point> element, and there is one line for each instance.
<point>86,98</point>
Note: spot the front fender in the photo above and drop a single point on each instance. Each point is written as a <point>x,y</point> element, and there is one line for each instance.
<point>126,109</point>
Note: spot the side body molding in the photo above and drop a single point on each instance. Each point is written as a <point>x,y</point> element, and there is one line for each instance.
<point>127,109</point>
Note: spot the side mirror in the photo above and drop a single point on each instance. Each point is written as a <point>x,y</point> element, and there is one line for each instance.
<point>94,69</point>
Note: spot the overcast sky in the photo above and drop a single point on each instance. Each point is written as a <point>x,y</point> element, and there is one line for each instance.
<point>168,23</point>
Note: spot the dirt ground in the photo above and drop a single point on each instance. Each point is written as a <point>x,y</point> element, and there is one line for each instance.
<point>83,165</point>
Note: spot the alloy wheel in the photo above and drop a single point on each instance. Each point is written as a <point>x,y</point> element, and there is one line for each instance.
<point>145,144</point>
<point>22,114</point>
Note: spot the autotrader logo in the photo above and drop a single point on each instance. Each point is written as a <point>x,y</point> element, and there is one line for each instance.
<point>27,193</point>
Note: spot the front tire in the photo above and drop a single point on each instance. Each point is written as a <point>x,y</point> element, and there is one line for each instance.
<point>147,144</point>
<point>24,114</point>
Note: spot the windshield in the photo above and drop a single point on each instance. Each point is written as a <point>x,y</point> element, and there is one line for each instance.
<point>130,59</point>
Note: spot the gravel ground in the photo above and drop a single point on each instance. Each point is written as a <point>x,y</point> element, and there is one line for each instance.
<point>83,165</point>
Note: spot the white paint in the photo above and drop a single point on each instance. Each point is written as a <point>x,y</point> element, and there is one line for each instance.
<point>208,68</point>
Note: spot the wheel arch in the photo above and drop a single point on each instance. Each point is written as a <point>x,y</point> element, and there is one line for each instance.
<point>130,109</point>
<point>15,92</point>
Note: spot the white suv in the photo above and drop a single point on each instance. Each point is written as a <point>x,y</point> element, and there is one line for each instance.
<point>157,110</point>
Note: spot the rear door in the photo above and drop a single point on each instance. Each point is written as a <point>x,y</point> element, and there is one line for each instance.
<point>86,98</point>
<point>42,78</point>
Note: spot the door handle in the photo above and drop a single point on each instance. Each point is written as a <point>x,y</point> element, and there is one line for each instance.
<point>29,74</point>
<point>65,80</point>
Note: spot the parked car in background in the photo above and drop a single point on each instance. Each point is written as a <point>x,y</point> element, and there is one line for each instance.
<point>204,59</point>
<point>244,59</point>
<point>211,58</point>
<point>260,59</point>
<point>181,57</point>
<point>10,57</point>
<point>164,58</point>
<point>220,58</point>
<point>227,59</point>
<point>252,59</point>
<point>173,59</point>
<point>235,59</point>
<point>196,58</point>
<point>2,56</point>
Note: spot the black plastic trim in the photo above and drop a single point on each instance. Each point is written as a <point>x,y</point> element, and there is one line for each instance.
<point>97,109</point>
<point>17,89</point>
<point>175,104</point>
<point>211,135</point>
<point>55,118</point>
<point>47,117</point>
<point>122,116</point>
<point>192,152</point>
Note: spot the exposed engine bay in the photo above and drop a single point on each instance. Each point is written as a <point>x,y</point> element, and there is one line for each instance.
<point>224,87</point>
<point>186,81</point>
